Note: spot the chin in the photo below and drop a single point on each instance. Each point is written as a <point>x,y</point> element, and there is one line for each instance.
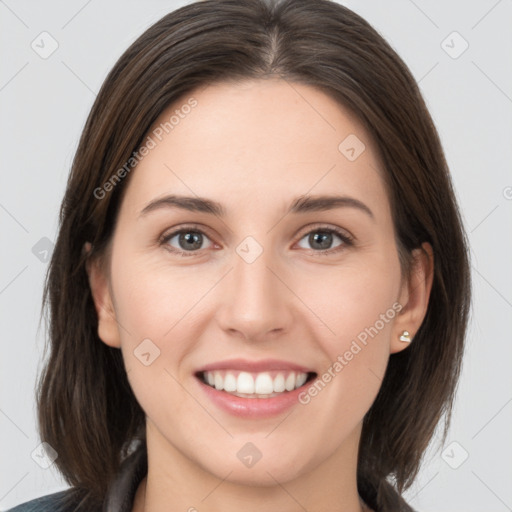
<point>249,466</point>
<point>260,475</point>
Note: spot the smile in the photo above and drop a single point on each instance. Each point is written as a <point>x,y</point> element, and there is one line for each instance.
<point>254,389</point>
<point>266,384</point>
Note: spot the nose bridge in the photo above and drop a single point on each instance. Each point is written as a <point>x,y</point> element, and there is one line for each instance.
<point>257,302</point>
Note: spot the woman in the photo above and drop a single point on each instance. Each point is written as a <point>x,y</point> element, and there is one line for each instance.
<point>259,293</point>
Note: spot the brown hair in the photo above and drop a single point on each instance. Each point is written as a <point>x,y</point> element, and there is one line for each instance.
<point>87,410</point>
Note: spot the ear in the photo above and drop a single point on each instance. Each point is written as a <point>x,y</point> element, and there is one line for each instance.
<point>108,330</point>
<point>414,297</point>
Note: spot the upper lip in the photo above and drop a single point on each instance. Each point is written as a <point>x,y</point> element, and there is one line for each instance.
<point>255,366</point>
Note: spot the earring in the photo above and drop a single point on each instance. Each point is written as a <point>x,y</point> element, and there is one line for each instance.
<point>405,337</point>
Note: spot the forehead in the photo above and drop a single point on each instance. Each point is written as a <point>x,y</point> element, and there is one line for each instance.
<point>257,142</point>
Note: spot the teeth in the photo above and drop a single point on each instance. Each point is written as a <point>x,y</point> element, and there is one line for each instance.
<point>279,383</point>
<point>290,382</point>
<point>219,383</point>
<point>230,383</point>
<point>301,379</point>
<point>245,383</point>
<point>262,384</point>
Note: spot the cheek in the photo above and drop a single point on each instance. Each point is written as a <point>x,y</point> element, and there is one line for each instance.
<point>153,301</point>
<point>353,299</point>
<point>161,316</point>
<point>155,338</point>
<point>357,311</point>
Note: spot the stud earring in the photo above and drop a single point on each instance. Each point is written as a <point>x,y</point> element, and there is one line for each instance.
<point>405,337</point>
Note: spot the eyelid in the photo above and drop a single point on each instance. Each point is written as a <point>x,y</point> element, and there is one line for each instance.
<point>183,227</point>
<point>322,226</point>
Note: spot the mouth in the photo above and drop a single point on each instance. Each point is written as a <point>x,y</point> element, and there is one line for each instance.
<point>248,384</point>
<point>253,390</point>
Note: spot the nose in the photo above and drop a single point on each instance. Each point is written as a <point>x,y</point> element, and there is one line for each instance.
<point>256,301</point>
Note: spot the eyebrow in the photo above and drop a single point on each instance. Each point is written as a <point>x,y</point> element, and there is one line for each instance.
<point>301,204</point>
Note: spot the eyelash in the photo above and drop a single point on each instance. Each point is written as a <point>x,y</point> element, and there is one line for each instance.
<point>345,238</point>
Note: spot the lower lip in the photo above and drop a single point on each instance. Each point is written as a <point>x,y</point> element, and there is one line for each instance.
<point>253,407</point>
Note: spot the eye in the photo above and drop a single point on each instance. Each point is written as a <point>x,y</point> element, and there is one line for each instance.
<point>322,237</point>
<point>188,240</point>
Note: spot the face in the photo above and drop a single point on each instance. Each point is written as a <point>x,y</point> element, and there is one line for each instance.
<point>264,292</point>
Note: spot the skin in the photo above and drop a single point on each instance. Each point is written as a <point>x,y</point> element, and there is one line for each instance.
<point>254,147</point>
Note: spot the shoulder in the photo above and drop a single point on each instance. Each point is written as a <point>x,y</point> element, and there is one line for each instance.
<point>55,502</point>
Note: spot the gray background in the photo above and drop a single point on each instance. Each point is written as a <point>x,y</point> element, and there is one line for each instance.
<point>44,103</point>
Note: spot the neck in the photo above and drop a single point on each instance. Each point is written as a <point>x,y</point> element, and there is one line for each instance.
<point>176,482</point>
